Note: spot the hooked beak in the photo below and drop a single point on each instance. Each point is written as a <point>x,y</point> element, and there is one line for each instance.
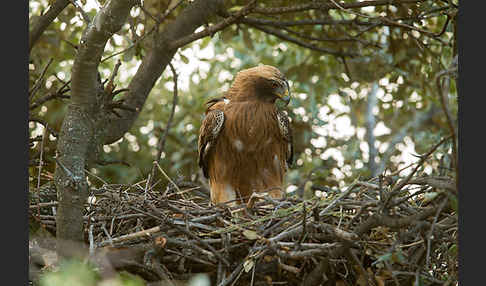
<point>283,93</point>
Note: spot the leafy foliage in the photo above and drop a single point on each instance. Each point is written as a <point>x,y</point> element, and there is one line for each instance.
<point>330,92</point>
<point>76,273</point>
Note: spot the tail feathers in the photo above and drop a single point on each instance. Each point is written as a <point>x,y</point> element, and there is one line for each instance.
<point>222,192</point>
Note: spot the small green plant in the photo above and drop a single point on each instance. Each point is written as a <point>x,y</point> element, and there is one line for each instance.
<point>76,273</point>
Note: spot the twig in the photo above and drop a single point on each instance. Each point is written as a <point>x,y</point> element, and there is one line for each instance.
<point>160,147</point>
<point>106,162</point>
<point>236,272</point>
<point>146,187</point>
<point>91,240</point>
<point>43,100</point>
<point>194,231</point>
<point>39,81</point>
<point>304,229</point>
<point>405,181</point>
<point>130,236</point>
<point>138,40</point>
<point>431,231</point>
<point>326,6</point>
<point>363,271</point>
<point>299,42</point>
<point>84,15</point>
<point>41,163</point>
<point>443,90</point>
<point>303,22</point>
<point>46,126</point>
<point>134,44</point>
<point>214,28</point>
<point>111,85</point>
<point>167,177</point>
<point>168,12</point>
<point>340,197</point>
<point>224,260</point>
<point>60,93</point>
<point>327,39</point>
<point>41,205</point>
<point>103,226</point>
<point>149,14</point>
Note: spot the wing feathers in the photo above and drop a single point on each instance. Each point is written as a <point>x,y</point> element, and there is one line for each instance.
<point>286,131</point>
<point>210,129</point>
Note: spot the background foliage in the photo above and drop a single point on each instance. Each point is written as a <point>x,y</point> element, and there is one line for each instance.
<point>329,105</point>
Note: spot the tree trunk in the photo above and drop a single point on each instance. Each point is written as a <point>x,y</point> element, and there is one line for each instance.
<point>370,127</point>
<point>79,135</point>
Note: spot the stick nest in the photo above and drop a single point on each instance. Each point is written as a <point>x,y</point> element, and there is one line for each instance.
<point>378,232</point>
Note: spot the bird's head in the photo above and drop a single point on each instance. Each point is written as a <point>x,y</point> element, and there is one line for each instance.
<point>264,82</point>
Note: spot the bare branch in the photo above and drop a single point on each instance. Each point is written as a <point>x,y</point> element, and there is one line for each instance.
<point>45,20</point>
<point>214,28</point>
<point>84,15</point>
<point>39,81</point>
<point>327,39</point>
<point>328,5</point>
<point>161,145</point>
<point>46,125</point>
<point>111,83</point>
<point>303,22</point>
<point>163,138</point>
<point>443,90</point>
<point>299,42</point>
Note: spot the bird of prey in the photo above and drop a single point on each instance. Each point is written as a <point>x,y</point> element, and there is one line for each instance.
<point>245,141</point>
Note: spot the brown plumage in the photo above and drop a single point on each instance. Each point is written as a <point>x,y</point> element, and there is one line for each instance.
<point>245,142</point>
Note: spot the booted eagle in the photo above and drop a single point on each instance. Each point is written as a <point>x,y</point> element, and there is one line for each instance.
<point>245,141</point>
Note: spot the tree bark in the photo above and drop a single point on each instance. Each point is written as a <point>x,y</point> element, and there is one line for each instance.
<point>370,127</point>
<point>78,135</point>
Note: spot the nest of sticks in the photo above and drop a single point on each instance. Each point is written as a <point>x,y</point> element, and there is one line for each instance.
<point>377,232</point>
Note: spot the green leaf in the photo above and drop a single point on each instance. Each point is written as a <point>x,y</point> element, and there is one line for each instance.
<point>384,257</point>
<point>184,58</point>
<point>204,43</point>
<point>453,203</point>
<point>70,273</point>
<point>453,249</point>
